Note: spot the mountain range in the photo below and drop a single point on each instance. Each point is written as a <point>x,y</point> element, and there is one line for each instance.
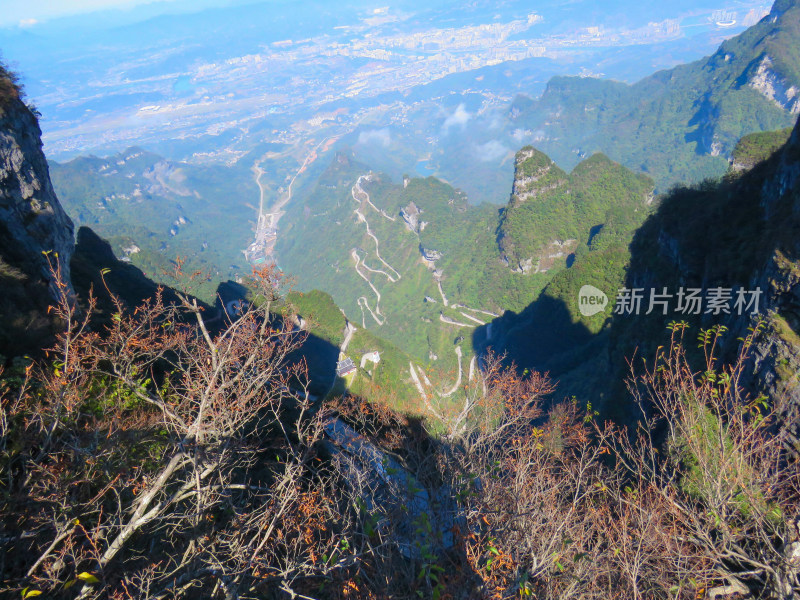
<point>414,262</point>
<point>589,390</point>
<point>679,125</point>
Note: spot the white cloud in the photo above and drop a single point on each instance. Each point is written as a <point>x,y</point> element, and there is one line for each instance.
<point>491,151</point>
<point>27,22</point>
<point>520,134</point>
<point>459,118</point>
<point>381,137</point>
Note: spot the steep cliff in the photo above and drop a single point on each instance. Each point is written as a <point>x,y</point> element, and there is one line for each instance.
<point>35,232</point>
<point>551,213</point>
<point>742,233</point>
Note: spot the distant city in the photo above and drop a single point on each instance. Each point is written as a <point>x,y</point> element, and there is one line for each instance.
<point>306,80</point>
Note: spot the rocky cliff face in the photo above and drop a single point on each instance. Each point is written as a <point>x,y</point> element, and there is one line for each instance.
<point>751,83</point>
<point>743,233</point>
<point>535,173</point>
<point>776,357</point>
<point>35,232</point>
<point>32,218</point>
<point>551,212</point>
<point>775,87</point>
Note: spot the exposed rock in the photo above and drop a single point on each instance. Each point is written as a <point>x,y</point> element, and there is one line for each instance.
<point>132,249</point>
<point>429,255</point>
<point>410,215</point>
<point>534,174</point>
<point>35,232</point>
<point>549,256</point>
<point>388,489</point>
<point>524,266</point>
<point>31,216</point>
<point>764,201</point>
<point>776,355</point>
<point>554,252</point>
<point>775,87</point>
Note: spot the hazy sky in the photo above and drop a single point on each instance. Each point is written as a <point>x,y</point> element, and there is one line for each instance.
<point>26,13</point>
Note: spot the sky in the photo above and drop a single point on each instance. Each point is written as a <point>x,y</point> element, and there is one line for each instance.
<point>28,13</point>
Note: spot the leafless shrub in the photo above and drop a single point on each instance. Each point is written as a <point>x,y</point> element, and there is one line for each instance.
<point>164,458</point>
<point>160,458</point>
<point>723,472</point>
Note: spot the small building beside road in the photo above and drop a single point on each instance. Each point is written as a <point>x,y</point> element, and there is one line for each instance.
<point>374,357</point>
<point>345,367</point>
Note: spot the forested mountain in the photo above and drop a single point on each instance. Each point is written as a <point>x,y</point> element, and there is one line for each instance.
<point>414,260</point>
<point>740,233</point>
<point>154,211</point>
<point>419,266</point>
<point>678,125</point>
<point>166,449</point>
<point>156,446</point>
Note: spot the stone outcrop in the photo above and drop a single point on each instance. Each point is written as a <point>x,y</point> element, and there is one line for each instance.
<point>764,202</point>
<point>32,219</point>
<point>535,173</point>
<point>551,254</point>
<point>429,255</point>
<point>775,87</point>
<point>410,215</point>
<point>36,235</point>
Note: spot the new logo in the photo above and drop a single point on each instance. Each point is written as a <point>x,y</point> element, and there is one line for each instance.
<point>591,300</point>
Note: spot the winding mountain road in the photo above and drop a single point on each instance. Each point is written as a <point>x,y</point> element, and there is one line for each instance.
<point>458,381</point>
<point>478,321</point>
<point>357,189</point>
<point>363,219</point>
<point>267,224</point>
<point>349,330</point>
<point>371,270</point>
<point>362,302</point>
<point>357,258</point>
<point>450,321</point>
<point>478,310</point>
<point>416,380</point>
<point>441,292</point>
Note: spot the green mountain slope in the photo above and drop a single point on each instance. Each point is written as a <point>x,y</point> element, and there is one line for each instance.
<point>325,244</point>
<point>678,125</point>
<point>423,269</point>
<point>153,211</point>
<point>739,233</point>
<point>552,214</point>
<point>326,324</point>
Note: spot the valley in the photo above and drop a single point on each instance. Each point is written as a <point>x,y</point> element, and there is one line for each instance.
<point>419,266</point>
<point>430,264</point>
<point>261,249</point>
<point>431,300</point>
